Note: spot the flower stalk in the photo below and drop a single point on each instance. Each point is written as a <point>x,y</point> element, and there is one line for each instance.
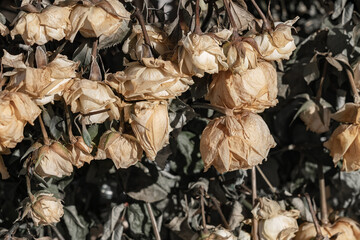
<point>255,222</point>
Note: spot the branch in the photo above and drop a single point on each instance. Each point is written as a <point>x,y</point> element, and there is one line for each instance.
<point>255,223</point>
<point>319,235</point>
<point>153,221</point>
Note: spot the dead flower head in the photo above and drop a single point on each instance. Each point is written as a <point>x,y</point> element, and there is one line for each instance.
<point>81,153</point>
<point>123,149</point>
<point>46,210</point>
<point>316,120</point>
<point>155,79</point>
<point>235,142</point>
<point>16,109</point>
<point>253,90</point>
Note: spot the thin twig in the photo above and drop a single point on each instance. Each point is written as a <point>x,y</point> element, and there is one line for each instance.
<point>272,188</point>
<point>218,208</point>
<point>60,236</point>
<point>95,112</point>
<point>28,188</point>
<point>319,235</point>
<point>231,18</point>
<point>255,223</point>
<point>68,123</point>
<point>353,86</point>
<point>43,130</point>
<point>323,203</point>
<point>197,18</point>
<point>266,23</point>
<point>153,221</point>
<point>140,18</point>
<point>202,202</point>
<point>11,231</point>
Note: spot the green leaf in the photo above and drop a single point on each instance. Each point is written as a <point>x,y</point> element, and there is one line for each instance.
<point>93,130</point>
<point>56,123</point>
<point>86,135</point>
<point>110,224</point>
<point>76,225</point>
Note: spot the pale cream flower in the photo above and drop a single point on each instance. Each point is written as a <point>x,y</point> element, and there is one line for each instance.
<point>241,56</point>
<point>46,210</point>
<point>314,120</point>
<point>3,30</point>
<point>81,153</point>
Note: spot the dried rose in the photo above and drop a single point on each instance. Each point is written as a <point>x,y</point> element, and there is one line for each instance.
<point>315,120</point>
<point>133,45</point>
<point>279,44</point>
<point>81,153</point>
<point>46,210</point>
<point>152,80</point>
<point>200,54</point>
<point>235,142</point>
<point>53,160</point>
<point>94,21</point>
<point>275,223</point>
<point>241,56</point>
<point>150,123</point>
<point>16,109</point>
<point>3,30</point>
<point>44,84</point>
<point>52,23</point>
<point>219,234</point>
<point>254,90</point>
<point>123,149</point>
<point>346,228</point>
<point>87,96</point>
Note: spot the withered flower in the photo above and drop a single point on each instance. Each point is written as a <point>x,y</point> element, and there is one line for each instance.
<point>46,210</point>
<point>253,90</point>
<point>200,54</point>
<point>16,109</point>
<point>51,23</point>
<point>150,123</point>
<point>274,223</point>
<point>344,228</point>
<point>153,80</point>
<point>87,96</point>
<point>133,45</point>
<point>81,153</point>
<point>279,44</point>
<point>123,149</point>
<point>53,160</point>
<point>93,21</point>
<point>344,142</point>
<point>220,234</point>
<point>3,30</point>
<point>235,142</point>
<point>316,120</point>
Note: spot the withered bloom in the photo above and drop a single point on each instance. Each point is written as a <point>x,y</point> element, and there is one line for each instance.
<point>279,44</point>
<point>344,142</point>
<point>87,96</point>
<point>316,120</point>
<point>46,210</point>
<point>81,153</point>
<point>253,90</point>
<point>16,109</point>
<point>39,28</point>
<point>3,30</point>
<point>150,123</point>
<point>123,149</point>
<point>235,142</point>
<point>200,54</point>
<point>155,79</point>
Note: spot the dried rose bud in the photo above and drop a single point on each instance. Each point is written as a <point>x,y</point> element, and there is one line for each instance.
<point>275,223</point>
<point>220,234</point>
<point>253,90</point>
<point>81,153</point>
<point>200,54</point>
<point>53,160</point>
<point>3,30</point>
<point>16,109</point>
<point>95,21</point>
<point>279,44</point>
<point>122,149</point>
<point>314,120</point>
<point>155,79</point>
<point>241,56</point>
<point>87,96</point>
<point>46,210</point>
<point>235,142</point>
<point>133,45</point>
<point>344,144</point>
<point>44,84</point>
<point>52,23</point>
<point>344,228</point>
<point>150,123</point>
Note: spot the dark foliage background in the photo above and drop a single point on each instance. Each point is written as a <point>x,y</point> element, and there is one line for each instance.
<point>100,199</point>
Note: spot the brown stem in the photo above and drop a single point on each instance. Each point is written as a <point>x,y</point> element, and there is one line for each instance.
<point>231,18</point>
<point>266,24</point>
<point>12,231</point>
<point>318,94</point>
<point>94,50</point>
<point>272,188</point>
<point>319,235</point>
<point>59,235</point>
<point>153,221</point>
<point>28,188</point>
<point>197,18</point>
<point>140,18</point>
<point>69,125</point>
<point>95,112</point>
<point>353,86</point>
<point>255,223</point>
<point>218,209</point>
<point>323,203</point>
<point>43,130</point>
<point>202,202</point>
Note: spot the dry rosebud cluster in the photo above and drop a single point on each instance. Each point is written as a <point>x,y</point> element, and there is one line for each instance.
<point>275,223</point>
<point>344,143</point>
